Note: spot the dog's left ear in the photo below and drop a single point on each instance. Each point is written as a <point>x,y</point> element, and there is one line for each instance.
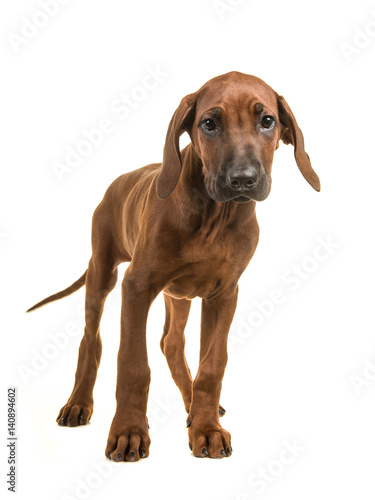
<point>181,122</point>
<point>292,134</point>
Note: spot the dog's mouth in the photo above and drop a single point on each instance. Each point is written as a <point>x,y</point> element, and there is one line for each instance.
<point>241,199</point>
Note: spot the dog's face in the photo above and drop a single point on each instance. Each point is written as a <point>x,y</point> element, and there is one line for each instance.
<point>235,133</point>
<point>235,122</point>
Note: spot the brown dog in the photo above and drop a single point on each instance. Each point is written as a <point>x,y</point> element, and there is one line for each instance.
<point>189,229</point>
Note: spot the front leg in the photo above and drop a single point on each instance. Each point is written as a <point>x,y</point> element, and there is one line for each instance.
<point>128,437</point>
<point>206,436</point>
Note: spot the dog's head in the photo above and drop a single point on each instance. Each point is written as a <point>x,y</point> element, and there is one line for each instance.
<point>235,122</point>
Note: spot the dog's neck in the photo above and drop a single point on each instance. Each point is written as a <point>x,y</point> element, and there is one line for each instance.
<point>193,202</point>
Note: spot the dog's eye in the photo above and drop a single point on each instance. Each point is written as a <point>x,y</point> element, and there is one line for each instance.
<point>209,125</point>
<point>267,121</point>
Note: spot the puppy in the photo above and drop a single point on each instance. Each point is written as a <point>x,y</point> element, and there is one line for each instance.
<point>188,228</point>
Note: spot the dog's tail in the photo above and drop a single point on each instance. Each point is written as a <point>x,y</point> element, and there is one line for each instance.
<point>64,293</point>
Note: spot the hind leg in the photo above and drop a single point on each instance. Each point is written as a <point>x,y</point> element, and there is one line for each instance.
<point>173,345</point>
<point>100,280</point>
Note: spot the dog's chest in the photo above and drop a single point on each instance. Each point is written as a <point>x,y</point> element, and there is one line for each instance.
<point>204,266</point>
<point>194,280</point>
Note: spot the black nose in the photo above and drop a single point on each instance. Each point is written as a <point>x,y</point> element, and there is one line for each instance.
<point>243,180</point>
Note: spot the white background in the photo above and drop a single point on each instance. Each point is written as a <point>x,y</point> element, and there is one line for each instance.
<point>292,378</point>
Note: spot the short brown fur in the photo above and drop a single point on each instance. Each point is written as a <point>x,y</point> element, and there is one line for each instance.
<point>188,228</point>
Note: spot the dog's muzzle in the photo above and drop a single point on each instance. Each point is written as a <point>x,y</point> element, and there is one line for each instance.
<point>240,185</point>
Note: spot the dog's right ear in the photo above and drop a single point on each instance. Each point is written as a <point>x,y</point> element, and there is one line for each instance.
<point>181,122</point>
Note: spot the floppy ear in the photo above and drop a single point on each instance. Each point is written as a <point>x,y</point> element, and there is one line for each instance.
<point>181,121</point>
<point>292,134</point>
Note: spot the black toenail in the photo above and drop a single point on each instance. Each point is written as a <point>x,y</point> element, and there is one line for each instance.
<point>222,453</point>
<point>188,423</point>
<point>143,453</point>
<point>109,455</point>
<point>119,456</point>
<point>222,411</point>
<point>69,422</point>
<point>132,454</point>
<point>229,451</point>
<point>205,452</point>
<point>191,446</point>
<point>61,421</point>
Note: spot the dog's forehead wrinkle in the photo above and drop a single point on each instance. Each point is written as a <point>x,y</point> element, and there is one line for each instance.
<point>216,111</point>
<point>234,79</point>
<point>237,83</point>
<point>239,106</point>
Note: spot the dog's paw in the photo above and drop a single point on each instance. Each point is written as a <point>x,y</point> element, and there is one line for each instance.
<point>209,440</point>
<point>74,413</point>
<point>127,442</point>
